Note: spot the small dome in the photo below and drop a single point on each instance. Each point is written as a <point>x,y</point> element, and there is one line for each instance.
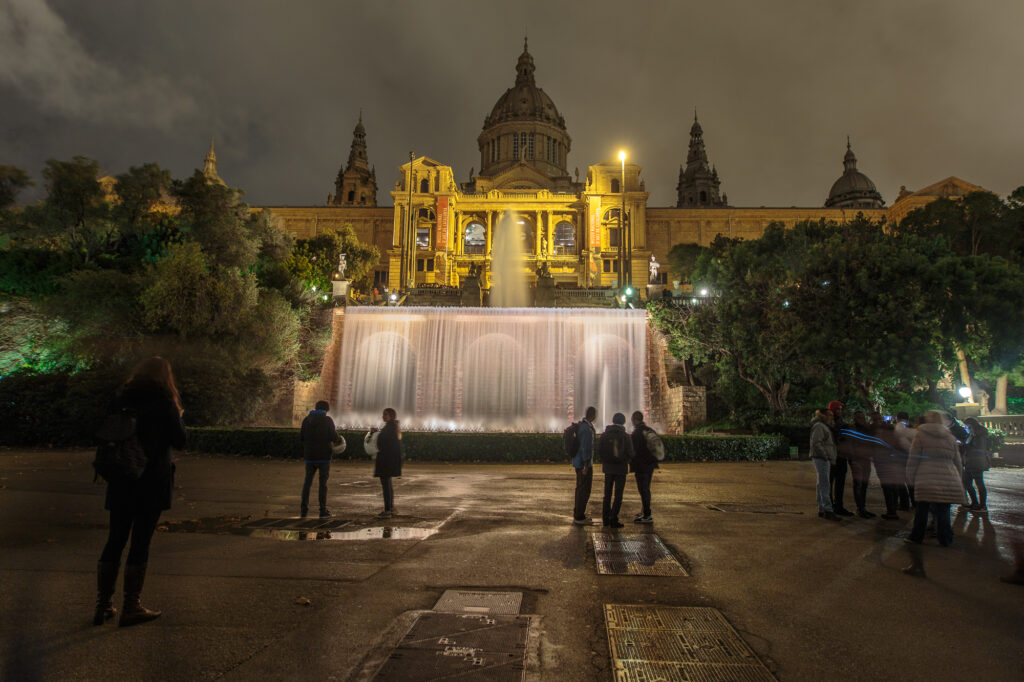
<point>853,189</point>
<point>525,101</point>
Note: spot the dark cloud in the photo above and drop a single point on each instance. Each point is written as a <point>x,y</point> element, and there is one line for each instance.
<point>925,89</point>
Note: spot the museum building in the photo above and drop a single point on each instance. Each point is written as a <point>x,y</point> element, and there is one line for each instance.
<point>438,231</point>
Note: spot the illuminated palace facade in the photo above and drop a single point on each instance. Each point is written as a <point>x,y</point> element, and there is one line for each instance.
<point>570,224</point>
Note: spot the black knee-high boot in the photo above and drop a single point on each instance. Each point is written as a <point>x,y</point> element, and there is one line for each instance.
<point>133,612</point>
<point>106,578</point>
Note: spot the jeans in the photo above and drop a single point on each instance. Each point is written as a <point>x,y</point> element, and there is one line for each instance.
<point>823,467</point>
<point>940,510</point>
<point>584,482</point>
<point>837,481</point>
<point>976,477</point>
<point>389,493</point>
<point>643,486</point>
<point>610,507</point>
<point>891,494</point>
<point>140,526</point>
<point>325,472</point>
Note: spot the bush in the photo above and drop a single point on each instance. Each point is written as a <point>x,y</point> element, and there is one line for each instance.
<point>59,409</point>
<point>476,447</point>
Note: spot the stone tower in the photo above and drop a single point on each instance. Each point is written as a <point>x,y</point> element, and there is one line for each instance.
<point>698,183</point>
<point>357,181</point>
<point>210,167</point>
<point>853,189</point>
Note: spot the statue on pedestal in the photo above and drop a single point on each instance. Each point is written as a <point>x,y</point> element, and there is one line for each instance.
<point>653,266</point>
<point>342,264</point>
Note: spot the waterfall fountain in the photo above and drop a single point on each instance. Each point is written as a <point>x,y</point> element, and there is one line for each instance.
<point>482,369</point>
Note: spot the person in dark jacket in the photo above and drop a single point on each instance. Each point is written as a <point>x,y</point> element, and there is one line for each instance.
<point>837,473</point>
<point>976,463</point>
<point>135,506</point>
<point>318,436</point>
<point>615,450</point>
<point>860,463</point>
<point>389,460</point>
<point>642,465</point>
<point>583,463</point>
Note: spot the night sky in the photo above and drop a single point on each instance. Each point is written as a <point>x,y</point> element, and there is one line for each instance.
<point>925,89</point>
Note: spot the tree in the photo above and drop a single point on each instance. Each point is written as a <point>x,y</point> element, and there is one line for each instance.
<point>138,191</point>
<point>213,216</point>
<point>75,210</point>
<point>315,260</point>
<point>682,259</point>
<point>12,181</point>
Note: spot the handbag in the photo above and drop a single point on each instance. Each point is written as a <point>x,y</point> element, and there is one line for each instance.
<point>370,443</point>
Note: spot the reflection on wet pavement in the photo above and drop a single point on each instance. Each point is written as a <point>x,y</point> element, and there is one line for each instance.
<point>372,533</point>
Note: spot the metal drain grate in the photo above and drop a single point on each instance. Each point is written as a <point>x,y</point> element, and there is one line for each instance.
<point>466,646</point>
<point>640,554</point>
<point>475,601</point>
<point>751,508</point>
<point>295,524</point>
<point>672,643</point>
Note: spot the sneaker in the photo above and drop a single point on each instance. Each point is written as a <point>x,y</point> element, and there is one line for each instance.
<point>583,522</point>
<point>965,507</point>
<point>384,515</point>
<point>638,515</point>
<point>842,512</point>
<point>644,519</point>
<point>865,514</point>
<point>915,571</point>
<point>830,516</point>
<point>615,524</point>
<point>325,514</point>
<point>982,510</point>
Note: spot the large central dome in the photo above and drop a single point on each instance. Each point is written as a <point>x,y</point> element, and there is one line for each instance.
<point>524,127</point>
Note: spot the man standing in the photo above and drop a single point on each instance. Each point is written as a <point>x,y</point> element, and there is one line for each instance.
<point>837,474</point>
<point>318,435</point>
<point>616,451</point>
<point>643,465</point>
<point>583,462</point>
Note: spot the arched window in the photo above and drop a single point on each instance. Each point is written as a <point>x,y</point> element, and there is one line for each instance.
<point>703,197</point>
<point>565,239</point>
<point>611,215</point>
<point>424,186</point>
<point>425,214</point>
<point>351,195</point>
<point>615,185</point>
<point>475,239</point>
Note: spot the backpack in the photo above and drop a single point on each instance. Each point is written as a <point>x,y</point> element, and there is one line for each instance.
<point>119,456</point>
<point>571,439</point>
<point>611,448</point>
<point>654,444</point>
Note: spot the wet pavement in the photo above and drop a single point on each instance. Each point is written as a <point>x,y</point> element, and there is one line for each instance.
<point>233,572</point>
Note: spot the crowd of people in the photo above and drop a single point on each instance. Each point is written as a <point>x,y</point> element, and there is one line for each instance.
<point>926,465</point>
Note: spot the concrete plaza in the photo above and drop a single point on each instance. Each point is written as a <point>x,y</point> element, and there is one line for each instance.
<point>814,599</point>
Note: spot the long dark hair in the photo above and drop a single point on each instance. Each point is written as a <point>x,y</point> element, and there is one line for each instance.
<point>158,371</point>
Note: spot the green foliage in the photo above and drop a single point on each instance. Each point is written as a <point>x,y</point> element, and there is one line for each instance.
<point>477,447</point>
<point>315,260</point>
<point>30,340</point>
<point>214,217</point>
<point>682,260</point>
<point>33,271</point>
<point>138,191</point>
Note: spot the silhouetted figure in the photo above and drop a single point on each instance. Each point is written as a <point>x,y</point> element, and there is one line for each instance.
<point>615,450</point>
<point>135,506</point>
<point>837,473</point>
<point>860,464</point>
<point>903,433</point>
<point>318,436</point>
<point>642,465</point>
<point>389,460</point>
<point>583,463</point>
<point>890,473</point>
<point>977,460</point>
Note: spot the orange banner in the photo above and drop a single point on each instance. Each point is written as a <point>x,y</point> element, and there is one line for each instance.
<point>442,223</point>
<point>595,223</point>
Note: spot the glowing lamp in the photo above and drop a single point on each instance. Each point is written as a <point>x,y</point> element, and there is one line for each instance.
<point>965,392</point>
<point>703,292</point>
<point>622,156</point>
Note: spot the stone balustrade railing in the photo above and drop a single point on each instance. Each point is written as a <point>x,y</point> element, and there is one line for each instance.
<point>1010,424</point>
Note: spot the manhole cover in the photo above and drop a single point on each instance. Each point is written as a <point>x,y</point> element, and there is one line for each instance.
<point>640,554</point>
<point>677,643</point>
<point>751,508</point>
<point>475,601</point>
<point>464,646</point>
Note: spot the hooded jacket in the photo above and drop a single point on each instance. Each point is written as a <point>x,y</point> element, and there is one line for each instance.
<point>318,435</point>
<point>615,449</point>
<point>822,444</point>
<point>934,466</point>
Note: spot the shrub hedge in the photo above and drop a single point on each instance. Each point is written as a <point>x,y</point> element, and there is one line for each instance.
<point>477,447</point>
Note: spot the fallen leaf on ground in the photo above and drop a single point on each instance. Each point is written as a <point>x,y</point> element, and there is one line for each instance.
<point>304,601</point>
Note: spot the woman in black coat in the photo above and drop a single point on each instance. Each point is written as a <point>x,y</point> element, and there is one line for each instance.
<point>135,506</point>
<point>389,460</point>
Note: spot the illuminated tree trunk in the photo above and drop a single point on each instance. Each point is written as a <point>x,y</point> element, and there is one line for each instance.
<point>1001,386</point>
<point>965,374</point>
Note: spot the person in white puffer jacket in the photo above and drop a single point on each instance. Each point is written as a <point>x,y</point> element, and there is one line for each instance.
<point>934,469</point>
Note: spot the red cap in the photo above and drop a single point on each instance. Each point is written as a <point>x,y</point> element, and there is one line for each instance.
<point>834,404</point>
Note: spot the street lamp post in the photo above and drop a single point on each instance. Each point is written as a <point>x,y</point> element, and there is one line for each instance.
<point>623,233</point>
<point>409,255</point>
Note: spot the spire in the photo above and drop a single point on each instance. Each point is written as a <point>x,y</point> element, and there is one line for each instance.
<point>356,184</point>
<point>525,68</point>
<point>699,183</point>
<point>210,166</point>
<point>849,159</point>
<point>357,153</point>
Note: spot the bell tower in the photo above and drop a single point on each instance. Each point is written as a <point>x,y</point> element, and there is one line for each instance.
<point>698,183</point>
<point>356,184</point>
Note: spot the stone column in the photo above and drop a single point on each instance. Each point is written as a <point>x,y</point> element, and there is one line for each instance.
<point>487,246</point>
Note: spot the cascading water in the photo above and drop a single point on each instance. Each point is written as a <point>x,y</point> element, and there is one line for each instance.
<point>508,287</point>
<point>483,369</point>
